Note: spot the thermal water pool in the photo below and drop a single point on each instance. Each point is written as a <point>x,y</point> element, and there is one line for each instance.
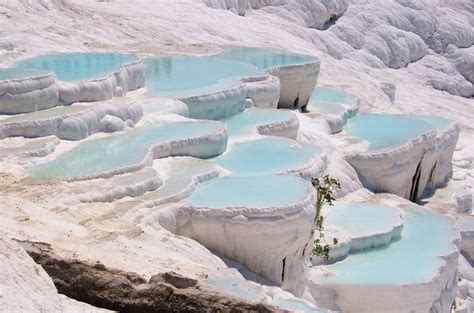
<point>384,131</point>
<point>263,58</point>
<point>330,95</point>
<point>268,155</point>
<point>415,258</point>
<point>93,157</point>
<point>20,73</point>
<point>184,76</point>
<point>246,123</point>
<point>436,121</point>
<point>263,191</point>
<point>367,224</point>
<point>71,67</point>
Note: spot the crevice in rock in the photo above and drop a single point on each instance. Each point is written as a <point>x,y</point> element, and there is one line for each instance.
<point>122,291</point>
<point>416,181</point>
<point>331,22</point>
<point>283,269</point>
<point>296,102</point>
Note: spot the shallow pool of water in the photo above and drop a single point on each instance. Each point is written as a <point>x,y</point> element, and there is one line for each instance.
<point>436,121</point>
<point>246,122</point>
<point>263,58</point>
<point>71,67</point>
<point>251,191</point>
<point>412,259</point>
<point>384,130</point>
<point>13,73</point>
<point>330,94</point>
<point>361,219</point>
<point>117,151</point>
<point>269,155</point>
<point>325,107</point>
<point>184,76</point>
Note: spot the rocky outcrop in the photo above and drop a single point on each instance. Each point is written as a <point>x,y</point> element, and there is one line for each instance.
<point>130,292</point>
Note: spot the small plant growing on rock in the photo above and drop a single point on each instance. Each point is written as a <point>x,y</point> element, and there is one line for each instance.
<point>325,188</point>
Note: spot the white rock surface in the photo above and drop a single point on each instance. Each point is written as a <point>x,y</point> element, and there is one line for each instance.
<point>22,95</point>
<point>26,287</point>
<point>131,76</point>
<point>75,125</point>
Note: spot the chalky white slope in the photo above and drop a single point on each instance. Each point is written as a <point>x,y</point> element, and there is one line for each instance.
<point>421,51</point>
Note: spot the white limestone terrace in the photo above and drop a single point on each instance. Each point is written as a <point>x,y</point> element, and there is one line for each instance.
<point>234,79</point>
<point>27,90</point>
<point>152,25</point>
<point>360,226</point>
<point>334,104</point>
<point>415,273</point>
<point>228,281</point>
<point>73,122</point>
<point>298,74</point>
<point>401,155</point>
<point>263,122</point>
<point>108,156</point>
<point>91,76</point>
<point>25,148</point>
<point>132,184</point>
<point>253,229</point>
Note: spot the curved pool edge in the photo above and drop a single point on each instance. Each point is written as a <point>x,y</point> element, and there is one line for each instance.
<point>280,234</point>
<point>29,93</point>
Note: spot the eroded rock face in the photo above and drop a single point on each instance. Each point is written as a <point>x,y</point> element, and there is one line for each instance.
<point>129,292</point>
<point>26,287</point>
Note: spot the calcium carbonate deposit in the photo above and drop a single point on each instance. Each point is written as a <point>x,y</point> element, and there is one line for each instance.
<point>175,144</point>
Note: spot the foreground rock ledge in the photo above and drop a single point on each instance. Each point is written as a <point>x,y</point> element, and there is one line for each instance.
<point>129,292</point>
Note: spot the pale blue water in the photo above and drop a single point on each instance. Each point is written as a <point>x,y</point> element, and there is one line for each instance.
<point>360,218</point>
<point>384,130</point>
<point>270,155</point>
<point>183,76</point>
<point>330,94</point>
<point>438,122</point>
<point>325,107</point>
<point>117,151</point>
<point>263,58</point>
<point>413,259</point>
<point>77,66</point>
<point>13,73</point>
<point>246,122</point>
<point>253,191</point>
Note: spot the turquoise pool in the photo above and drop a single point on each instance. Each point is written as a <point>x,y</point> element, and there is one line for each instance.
<point>384,131</point>
<point>270,155</point>
<point>246,122</point>
<point>19,73</point>
<point>263,58</point>
<point>92,157</point>
<point>330,94</point>
<point>438,122</point>
<point>412,259</point>
<point>325,107</point>
<point>252,191</point>
<point>70,67</point>
<point>361,219</point>
<point>184,76</point>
